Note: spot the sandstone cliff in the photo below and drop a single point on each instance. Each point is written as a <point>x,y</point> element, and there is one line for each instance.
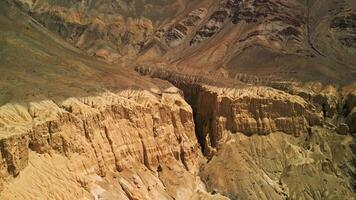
<point>83,143</point>
<point>251,110</point>
<point>269,83</point>
<point>72,127</point>
<point>264,143</point>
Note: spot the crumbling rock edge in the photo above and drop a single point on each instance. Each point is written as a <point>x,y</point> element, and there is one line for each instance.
<point>135,141</point>
<point>147,144</point>
<point>260,139</point>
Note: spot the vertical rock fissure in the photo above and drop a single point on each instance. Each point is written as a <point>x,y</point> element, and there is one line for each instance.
<point>191,88</point>
<point>97,154</point>
<point>108,137</point>
<point>191,93</point>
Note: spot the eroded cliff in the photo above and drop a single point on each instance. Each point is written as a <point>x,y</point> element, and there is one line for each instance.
<point>265,143</point>
<point>132,144</point>
<point>269,83</point>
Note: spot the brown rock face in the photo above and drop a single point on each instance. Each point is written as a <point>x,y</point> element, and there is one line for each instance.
<point>14,152</point>
<point>264,143</point>
<point>351,120</point>
<point>107,133</point>
<point>268,83</point>
<point>63,135</point>
<point>351,111</point>
<point>251,110</point>
<point>280,166</point>
<point>178,32</point>
<point>247,109</point>
<point>351,100</point>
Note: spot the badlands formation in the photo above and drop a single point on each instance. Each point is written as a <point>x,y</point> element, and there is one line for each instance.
<point>177,99</point>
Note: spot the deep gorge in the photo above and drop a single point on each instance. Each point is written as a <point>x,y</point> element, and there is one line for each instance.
<point>231,121</point>
<point>254,138</point>
<point>177,100</point>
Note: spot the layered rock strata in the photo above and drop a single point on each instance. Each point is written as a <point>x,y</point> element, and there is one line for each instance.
<point>131,132</point>
<point>264,143</point>
<point>280,166</point>
<point>106,29</point>
<point>247,109</point>
<point>251,110</point>
<point>175,34</point>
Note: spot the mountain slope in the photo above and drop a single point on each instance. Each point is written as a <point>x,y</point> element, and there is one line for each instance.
<point>73,127</point>
<point>291,39</point>
<point>268,111</point>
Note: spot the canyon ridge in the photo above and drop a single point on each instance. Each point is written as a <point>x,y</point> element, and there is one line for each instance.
<point>177,99</point>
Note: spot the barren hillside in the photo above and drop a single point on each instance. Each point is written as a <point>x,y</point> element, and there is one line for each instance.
<point>177,99</point>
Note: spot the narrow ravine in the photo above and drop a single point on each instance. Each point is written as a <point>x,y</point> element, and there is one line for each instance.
<point>260,141</point>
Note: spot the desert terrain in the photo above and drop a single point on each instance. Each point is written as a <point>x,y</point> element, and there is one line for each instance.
<point>177,99</point>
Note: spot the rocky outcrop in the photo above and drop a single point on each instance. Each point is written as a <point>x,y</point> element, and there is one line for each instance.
<point>351,111</point>
<point>325,98</point>
<point>245,109</point>
<point>255,12</point>
<point>250,110</point>
<point>272,141</point>
<point>351,120</point>
<point>351,101</point>
<point>104,134</point>
<point>344,23</point>
<point>279,166</point>
<point>213,26</point>
<point>14,154</point>
<point>175,34</point>
<point>63,135</point>
<point>264,143</point>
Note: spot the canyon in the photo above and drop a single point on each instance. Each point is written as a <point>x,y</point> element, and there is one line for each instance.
<point>176,99</point>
